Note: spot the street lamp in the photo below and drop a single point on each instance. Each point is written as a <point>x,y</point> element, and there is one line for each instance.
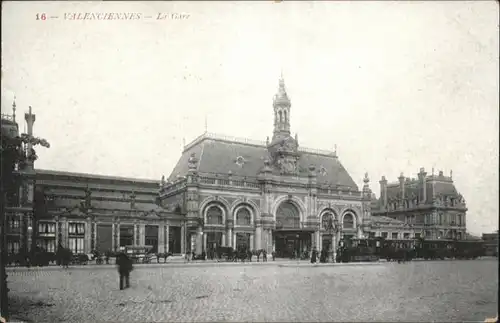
<point>333,228</point>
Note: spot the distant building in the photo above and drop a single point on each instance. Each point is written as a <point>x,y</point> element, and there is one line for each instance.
<point>491,243</point>
<point>428,206</point>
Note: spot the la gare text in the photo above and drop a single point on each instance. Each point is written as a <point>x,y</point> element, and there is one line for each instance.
<point>124,16</point>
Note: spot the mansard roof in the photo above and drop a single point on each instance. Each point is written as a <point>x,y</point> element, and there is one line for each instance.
<point>436,185</point>
<point>242,157</point>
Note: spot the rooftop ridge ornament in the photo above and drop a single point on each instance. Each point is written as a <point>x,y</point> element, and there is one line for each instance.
<point>192,162</point>
<point>14,109</point>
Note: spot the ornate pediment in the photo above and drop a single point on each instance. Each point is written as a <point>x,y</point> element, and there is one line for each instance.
<point>284,152</point>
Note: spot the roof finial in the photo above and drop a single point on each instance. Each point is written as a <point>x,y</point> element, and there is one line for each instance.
<point>206,124</point>
<point>183,142</point>
<point>14,109</point>
<point>335,149</point>
<point>451,174</point>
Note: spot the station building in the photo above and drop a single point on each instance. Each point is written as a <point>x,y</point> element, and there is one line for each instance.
<point>274,195</point>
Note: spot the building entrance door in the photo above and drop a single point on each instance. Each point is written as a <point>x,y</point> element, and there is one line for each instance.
<point>214,241</point>
<point>292,244</point>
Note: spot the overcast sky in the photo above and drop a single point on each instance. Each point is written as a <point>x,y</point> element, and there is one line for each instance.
<point>396,86</point>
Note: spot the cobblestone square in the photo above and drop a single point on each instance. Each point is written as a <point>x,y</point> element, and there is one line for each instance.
<point>417,291</point>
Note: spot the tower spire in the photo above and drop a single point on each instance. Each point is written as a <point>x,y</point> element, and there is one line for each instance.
<point>281,105</point>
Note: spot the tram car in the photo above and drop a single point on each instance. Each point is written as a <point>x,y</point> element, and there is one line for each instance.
<point>373,249</point>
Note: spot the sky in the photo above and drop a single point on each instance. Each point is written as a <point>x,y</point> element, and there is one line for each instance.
<point>395,86</point>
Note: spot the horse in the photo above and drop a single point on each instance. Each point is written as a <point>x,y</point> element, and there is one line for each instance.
<point>163,255</point>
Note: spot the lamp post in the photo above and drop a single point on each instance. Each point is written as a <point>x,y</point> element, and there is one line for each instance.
<point>17,155</point>
<point>86,208</point>
<point>333,228</point>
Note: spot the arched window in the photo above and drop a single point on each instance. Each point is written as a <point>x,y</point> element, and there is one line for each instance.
<point>348,222</point>
<point>288,215</point>
<point>243,216</point>
<point>284,116</point>
<point>327,218</point>
<point>214,215</point>
<point>280,116</point>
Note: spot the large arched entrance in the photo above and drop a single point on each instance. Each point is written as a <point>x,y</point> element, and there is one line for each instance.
<point>290,240</point>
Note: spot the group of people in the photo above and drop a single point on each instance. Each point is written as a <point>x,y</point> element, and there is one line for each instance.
<point>230,254</point>
<point>323,256</point>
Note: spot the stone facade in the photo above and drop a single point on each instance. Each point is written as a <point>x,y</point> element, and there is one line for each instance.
<point>87,212</point>
<point>259,194</point>
<point>428,206</point>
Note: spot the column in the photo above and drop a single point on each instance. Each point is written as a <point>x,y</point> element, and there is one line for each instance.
<point>167,238</point>
<point>64,228</point>
<point>117,243</point>
<point>252,241</point>
<point>56,218</point>
<point>223,239</point>
<point>199,240</point>
<point>94,236</point>
<point>142,234</point>
<point>258,238</point>
<point>265,239</point>
<point>88,234</point>
<point>314,243</point>
<point>29,231</point>
<point>334,247</point>
<point>204,248</point>
<point>229,237</point>
<point>234,240</point>
<point>270,241</point>
<point>318,240</point>
<point>135,235</point>
<point>183,238</point>
<point>113,236</point>
<point>161,238</point>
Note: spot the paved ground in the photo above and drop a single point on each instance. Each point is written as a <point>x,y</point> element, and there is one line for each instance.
<point>417,291</point>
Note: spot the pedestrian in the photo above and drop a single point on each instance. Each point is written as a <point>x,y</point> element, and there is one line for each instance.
<point>273,254</point>
<point>124,268</point>
<point>264,255</point>
<point>314,256</point>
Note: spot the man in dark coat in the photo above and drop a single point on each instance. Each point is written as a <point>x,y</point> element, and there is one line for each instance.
<point>313,256</point>
<point>124,268</point>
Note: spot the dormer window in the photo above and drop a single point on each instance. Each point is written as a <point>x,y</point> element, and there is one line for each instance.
<point>322,170</point>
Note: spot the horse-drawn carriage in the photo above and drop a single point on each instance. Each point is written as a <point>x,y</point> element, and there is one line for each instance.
<point>139,254</point>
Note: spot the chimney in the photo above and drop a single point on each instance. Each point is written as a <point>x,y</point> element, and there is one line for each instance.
<point>422,186</point>
<point>383,191</point>
<point>402,185</point>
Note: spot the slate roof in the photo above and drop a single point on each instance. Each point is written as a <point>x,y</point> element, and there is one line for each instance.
<point>439,185</point>
<point>216,154</point>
